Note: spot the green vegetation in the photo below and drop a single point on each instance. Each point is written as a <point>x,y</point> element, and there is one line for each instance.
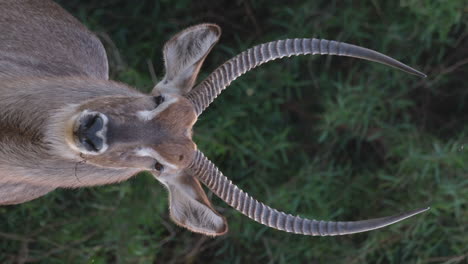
<point>329,138</point>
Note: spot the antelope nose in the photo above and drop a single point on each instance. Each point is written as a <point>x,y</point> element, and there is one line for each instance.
<point>90,132</point>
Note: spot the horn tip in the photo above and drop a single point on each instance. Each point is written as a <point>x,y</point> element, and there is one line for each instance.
<point>413,213</point>
<point>417,73</point>
<point>422,75</point>
<point>420,210</point>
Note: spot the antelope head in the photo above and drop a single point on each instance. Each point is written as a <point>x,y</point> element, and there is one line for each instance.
<point>154,132</point>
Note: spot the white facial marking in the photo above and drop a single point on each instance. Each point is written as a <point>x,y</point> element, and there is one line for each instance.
<point>147,115</point>
<point>149,152</point>
<point>59,133</point>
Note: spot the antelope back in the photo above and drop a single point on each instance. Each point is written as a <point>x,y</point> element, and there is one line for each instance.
<point>40,39</point>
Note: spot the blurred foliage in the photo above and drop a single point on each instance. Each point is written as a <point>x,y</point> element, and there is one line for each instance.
<point>325,137</point>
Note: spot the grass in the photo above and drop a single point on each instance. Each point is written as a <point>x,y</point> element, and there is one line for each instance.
<point>324,137</point>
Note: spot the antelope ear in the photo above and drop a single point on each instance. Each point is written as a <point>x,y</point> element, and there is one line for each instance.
<point>189,206</point>
<point>183,56</point>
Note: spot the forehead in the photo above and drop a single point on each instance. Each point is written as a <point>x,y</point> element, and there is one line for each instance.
<point>170,121</point>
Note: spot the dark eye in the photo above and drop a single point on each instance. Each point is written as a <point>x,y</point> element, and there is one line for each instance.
<point>158,166</point>
<point>158,100</point>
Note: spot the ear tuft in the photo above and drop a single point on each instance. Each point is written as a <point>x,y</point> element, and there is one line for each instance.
<point>183,56</point>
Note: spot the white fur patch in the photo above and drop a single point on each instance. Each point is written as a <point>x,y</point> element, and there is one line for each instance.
<point>59,132</point>
<point>146,115</point>
<point>149,152</point>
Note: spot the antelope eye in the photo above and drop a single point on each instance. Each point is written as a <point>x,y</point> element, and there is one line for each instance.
<point>158,100</point>
<point>158,166</point>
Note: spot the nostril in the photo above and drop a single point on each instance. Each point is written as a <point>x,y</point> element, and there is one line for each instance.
<point>89,132</point>
<point>91,145</point>
<point>91,121</point>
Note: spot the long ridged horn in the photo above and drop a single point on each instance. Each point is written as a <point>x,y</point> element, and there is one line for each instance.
<point>208,173</point>
<point>203,94</point>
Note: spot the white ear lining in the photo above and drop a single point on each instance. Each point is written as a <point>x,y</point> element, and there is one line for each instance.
<point>183,56</point>
<point>189,206</point>
<point>192,214</point>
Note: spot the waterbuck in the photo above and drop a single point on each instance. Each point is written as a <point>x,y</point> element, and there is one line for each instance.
<point>64,124</point>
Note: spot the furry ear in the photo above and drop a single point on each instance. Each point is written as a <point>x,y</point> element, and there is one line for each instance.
<point>189,206</point>
<point>183,56</point>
